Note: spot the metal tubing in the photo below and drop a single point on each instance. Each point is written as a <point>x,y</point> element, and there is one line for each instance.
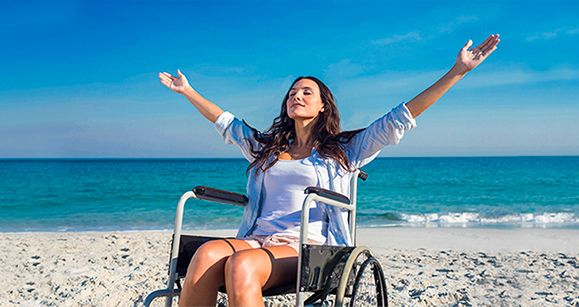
<point>159,293</point>
<point>341,292</point>
<point>353,202</point>
<point>305,220</point>
<point>176,240</point>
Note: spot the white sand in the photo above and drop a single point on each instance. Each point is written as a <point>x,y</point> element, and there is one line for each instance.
<point>424,267</point>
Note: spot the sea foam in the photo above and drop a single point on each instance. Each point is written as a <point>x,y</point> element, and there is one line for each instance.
<point>524,219</point>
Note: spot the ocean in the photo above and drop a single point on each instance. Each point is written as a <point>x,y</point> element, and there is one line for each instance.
<point>142,194</point>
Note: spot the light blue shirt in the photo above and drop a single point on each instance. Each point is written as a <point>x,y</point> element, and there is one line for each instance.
<point>360,150</point>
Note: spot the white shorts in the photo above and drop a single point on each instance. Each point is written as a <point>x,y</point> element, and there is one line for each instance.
<point>276,240</point>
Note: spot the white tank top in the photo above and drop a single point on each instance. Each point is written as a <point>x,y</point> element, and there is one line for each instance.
<point>283,198</point>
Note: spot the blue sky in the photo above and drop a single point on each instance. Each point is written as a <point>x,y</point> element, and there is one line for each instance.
<point>80,78</point>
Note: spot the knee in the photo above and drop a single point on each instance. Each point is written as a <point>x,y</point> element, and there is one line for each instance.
<point>241,273</point>
<point>208,255</point>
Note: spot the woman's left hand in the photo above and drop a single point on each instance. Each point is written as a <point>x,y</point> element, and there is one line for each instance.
<point>469,59</point>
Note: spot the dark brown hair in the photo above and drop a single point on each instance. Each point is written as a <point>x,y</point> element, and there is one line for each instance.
<point>327,134</point>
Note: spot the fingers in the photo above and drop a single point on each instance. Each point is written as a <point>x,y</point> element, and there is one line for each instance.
<point>166,75</point>
<point>467,45</point>
<point>489,42</point>
<point>166,83</point>
<point>485,48</point>
<point>172,82</point>
<point>491,45</point>
<point>483,44</point>
<point>166,79</point>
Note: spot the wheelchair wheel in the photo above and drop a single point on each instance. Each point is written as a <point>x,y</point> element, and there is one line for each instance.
<point>362,282</point>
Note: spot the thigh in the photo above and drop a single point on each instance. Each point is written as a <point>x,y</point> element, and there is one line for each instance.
<point>237,245</point>
<point>218,250</point>
<point>273,266</point>
<point>284,266</point>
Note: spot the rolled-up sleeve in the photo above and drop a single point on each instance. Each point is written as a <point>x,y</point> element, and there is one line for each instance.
<point>223,121</point>
<point>235,131</point>
<point>387,130</point>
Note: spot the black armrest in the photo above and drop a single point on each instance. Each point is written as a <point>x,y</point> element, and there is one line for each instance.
<point>327,193</point>
<point>363,175</point>
<point>220,196</point>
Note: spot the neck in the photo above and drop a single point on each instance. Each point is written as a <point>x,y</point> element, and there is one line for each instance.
<point>303,129</point>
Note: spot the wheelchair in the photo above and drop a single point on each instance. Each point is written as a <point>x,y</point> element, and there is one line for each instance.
<point>327,275</point>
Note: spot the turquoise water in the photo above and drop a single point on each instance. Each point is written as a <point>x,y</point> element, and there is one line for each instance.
<point>122,194</point>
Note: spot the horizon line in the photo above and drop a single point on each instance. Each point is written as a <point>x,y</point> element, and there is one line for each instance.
<point>241,158</point>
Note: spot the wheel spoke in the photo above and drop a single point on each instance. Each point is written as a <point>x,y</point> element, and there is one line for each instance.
<point>369,288</point>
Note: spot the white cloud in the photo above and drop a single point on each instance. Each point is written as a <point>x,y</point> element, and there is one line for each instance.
<point>402,82</point>
<point>543,36</point>
<point>415,36</point>
<point>451,25</point>
<point>410,36</point>
<point>341,69</point>
<point>519,76</point>
<point>549,35</point>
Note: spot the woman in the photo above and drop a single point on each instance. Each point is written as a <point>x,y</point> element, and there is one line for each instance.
<point>304,147</point>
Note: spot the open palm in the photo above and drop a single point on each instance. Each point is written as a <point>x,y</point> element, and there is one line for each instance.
<point>177,84</point>
<point>468,59</point>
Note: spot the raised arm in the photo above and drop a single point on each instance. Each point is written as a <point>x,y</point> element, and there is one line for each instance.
<point>180,85</point>
<point>232,129</point>
<point>465,62</point>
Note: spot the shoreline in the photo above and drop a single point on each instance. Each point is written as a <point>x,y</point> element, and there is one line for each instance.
<point>572,225</point>
<point>493,239</point>
<point>423,266</point>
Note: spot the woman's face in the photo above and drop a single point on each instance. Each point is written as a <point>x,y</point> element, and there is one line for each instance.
<point>304,100</point>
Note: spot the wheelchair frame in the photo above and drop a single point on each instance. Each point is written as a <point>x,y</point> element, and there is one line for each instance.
<point>314,194</point>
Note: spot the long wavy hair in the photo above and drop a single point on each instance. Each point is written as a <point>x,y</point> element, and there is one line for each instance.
<point>327,134</point>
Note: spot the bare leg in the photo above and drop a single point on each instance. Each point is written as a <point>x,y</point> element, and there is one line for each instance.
<point>205,273</point>
<point>248,272</point>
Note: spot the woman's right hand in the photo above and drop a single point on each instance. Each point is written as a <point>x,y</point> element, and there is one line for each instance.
<point>177,84</point>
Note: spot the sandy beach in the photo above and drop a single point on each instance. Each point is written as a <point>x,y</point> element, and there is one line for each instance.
<point>424,267</point>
